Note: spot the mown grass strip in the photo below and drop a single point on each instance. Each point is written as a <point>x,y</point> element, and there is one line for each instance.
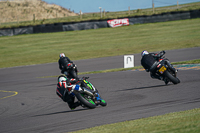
<point>101,71</point>
<point>178,122</point>
<point>196,61</point>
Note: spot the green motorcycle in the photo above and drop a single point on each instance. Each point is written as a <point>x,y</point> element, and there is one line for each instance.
<point>88,95</point>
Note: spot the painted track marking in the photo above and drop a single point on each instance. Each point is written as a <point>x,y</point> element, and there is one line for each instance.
<point>15,93</point>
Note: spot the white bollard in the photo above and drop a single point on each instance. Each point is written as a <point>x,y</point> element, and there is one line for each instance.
<point>128,61</point>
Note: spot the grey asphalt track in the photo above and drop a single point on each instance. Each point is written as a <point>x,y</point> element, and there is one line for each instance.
<point>30,104</point>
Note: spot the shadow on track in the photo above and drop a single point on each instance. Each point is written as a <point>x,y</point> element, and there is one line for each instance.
<point>47,85</point>
<point>144,87</point>
<point>70,111</point>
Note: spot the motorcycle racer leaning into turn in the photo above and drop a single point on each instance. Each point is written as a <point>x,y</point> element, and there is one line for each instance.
<point>150,59</point>
<point>64,85</point>
<point>63,62</point>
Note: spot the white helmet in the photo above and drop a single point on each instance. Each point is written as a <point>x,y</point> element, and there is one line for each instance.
<point>144,53</point>
<point>62,55</point>
<point>62,79</point>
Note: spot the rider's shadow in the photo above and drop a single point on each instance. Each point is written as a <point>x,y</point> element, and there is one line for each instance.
<point>61,112</point>
<point>146,87</point>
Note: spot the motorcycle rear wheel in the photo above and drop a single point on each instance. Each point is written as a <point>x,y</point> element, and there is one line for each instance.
<point>173,79</point>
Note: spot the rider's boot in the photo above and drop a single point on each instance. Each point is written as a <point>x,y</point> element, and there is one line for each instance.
<point>154,76</point>
<point>76,104</point>
<point>98,98</point>
<point>75,68</point>
<point>166,81</point>
<point>66,73</point>
<point>176,72</point>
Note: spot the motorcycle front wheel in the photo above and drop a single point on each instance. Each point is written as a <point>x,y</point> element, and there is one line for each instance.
<point>86,100</point>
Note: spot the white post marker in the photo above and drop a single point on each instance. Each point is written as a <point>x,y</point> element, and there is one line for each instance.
<point>128,61</point>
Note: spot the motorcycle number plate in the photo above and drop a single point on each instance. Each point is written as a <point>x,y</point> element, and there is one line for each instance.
<point>162,69</point>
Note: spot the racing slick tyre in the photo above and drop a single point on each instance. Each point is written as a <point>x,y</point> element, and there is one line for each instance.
<point>173,79</point>
<point>86,100</point>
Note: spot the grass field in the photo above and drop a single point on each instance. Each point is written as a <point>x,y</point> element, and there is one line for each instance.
<point>45,48</point>
<point>178,122</point>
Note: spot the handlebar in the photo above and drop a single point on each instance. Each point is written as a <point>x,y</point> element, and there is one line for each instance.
<point>161,53</point>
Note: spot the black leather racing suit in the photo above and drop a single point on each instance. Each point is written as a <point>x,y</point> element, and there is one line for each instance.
<point>63,61</point>
<point>148,61</point>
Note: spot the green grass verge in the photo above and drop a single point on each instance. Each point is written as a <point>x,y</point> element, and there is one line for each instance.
<point>178,122</point>
<point>45,48</point>
<point>196,61</point>
<point>100,71</point>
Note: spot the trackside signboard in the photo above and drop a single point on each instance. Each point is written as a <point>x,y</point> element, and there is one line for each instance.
<point>118,22</point>
<point>128,61</point>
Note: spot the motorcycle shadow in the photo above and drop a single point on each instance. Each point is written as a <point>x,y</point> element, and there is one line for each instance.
<point>146,87</point>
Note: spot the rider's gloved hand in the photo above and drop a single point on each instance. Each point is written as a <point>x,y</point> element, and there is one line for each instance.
<point>163,51</point>
<point>161,54</point>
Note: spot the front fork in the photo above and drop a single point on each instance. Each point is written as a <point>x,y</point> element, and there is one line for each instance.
<point>94,94</point>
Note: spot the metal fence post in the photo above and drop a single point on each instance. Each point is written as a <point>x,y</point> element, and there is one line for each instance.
<point>153,6</point>
<point>177,5</point>
<point>17,15</point>
<point>33,18</point>
<point>80,15</point>
<point>100,12</point>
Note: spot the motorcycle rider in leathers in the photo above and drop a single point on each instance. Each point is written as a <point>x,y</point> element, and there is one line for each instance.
<point>63,61</point>
<point>63,88</point>
<point>149,60</point>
